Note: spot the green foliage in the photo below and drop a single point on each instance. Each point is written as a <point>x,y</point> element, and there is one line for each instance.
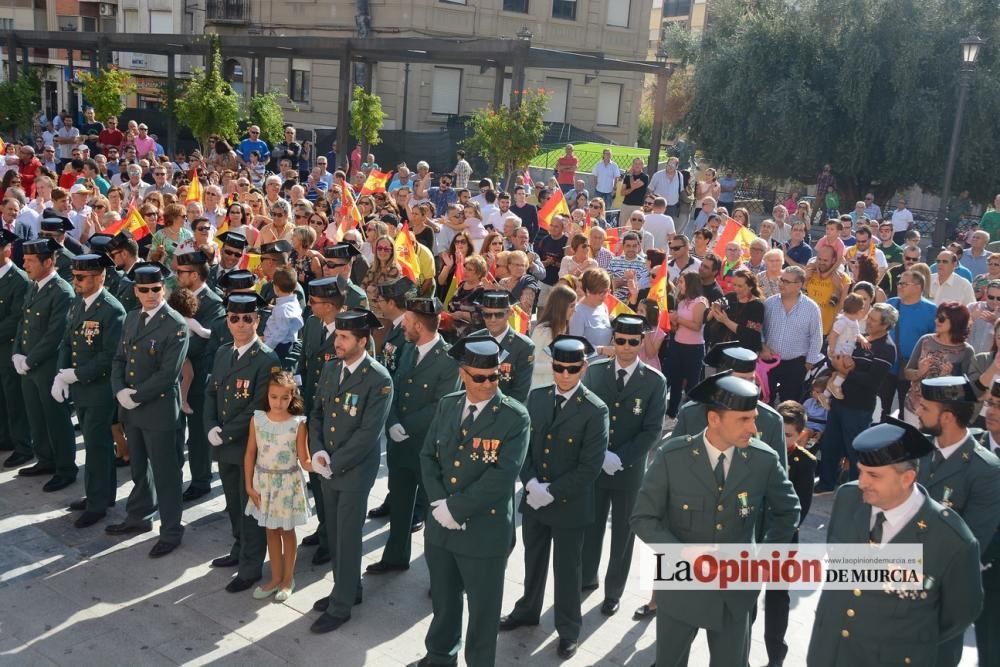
<point>366,117</point>
<point>265,111</point>
<point>645,136</point>
<point>104,91</point>
<point>208,104</point>
<point>19,101</point>
<point>871,86</point>
<point>508,138</point>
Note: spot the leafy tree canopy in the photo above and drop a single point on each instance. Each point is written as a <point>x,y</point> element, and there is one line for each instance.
<point>19,100</point>
<point>105,90</point>
<point>508,138</point>
<point>208,104</point>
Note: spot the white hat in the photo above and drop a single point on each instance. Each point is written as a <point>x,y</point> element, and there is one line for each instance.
<point>79,188</point>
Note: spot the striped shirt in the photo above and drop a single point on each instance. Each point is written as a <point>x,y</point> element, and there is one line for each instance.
<point>795,333</point>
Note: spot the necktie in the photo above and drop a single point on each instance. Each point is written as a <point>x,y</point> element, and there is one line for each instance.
<point>936,460</point>
<point>557,406</point>
<point>621,379</point>
<point>469,418</point>
<point>236,356</point>
<point>347,374</point>
<point>720,471</point>
<point>875,534</point>
<point>144,319</point>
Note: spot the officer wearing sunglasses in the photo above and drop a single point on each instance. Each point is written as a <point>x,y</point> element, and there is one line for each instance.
<point>636,397</point>
<point>517,354</point>
<point>569,438</point>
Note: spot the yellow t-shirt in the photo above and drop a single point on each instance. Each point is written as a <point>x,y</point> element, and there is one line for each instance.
<point>425,264</point>
<point>821,290</point>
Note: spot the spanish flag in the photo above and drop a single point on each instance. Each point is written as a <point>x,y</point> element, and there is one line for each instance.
<point>658,291</point>
<point>376,182</point>
<point>406,252</point>
<point>613,241</point>
<point>222,230</point>
<point>133,222</point>
<point>456,280</point>
<point>616,307</point>
<point>555,205</point>
<point>519,319</point>
<point>194,189</point>
<point>250,262</point>
<point>734,231</point>
<point>348,211</point>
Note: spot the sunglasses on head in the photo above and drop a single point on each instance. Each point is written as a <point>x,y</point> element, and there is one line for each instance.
<point>572,370</point>
<point>479,379</point>
<point>631,342</point>
<point>235,319</point>
<point>146,290</point>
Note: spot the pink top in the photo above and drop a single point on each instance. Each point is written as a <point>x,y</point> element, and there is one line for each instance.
<point>652,361</point>
<point>684,335</point>
<point>838,246</point>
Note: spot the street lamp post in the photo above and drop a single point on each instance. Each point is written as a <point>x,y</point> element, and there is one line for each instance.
<point>970,52</point>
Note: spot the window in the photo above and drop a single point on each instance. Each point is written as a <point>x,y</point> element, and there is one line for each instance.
<point>68,23</point>
<point>88,24</point>
<point>609,99</point>
<point>564,9</point>
<point>161,23</point>
<point>6,25</point>
<point>674,8</point>
<point>618,11</point>
<point>299,80</point>
<point>520,6</point>
<point>454,2</point>
<point>559,89</point>
<point>446,91</point>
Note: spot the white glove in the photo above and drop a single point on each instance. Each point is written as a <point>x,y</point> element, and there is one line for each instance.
<point>20,364</point>
<point>60,390</point>
<point>215,436</point>
<point>398,433</point>
<point>443,516</point>
<point>195,327</point>
<point>68,375</point>
<point>321,464</point>
<point>612,463</point>
<point>538,494</point>
<point>297,379</point>
<point>125,399</point>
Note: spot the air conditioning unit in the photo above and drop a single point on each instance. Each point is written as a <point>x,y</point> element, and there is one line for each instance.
<point>107,10</point>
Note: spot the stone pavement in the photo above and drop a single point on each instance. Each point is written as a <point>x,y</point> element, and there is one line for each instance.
<point>81,597</point>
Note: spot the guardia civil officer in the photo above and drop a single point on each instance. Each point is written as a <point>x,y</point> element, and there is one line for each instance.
<point>337,264</point>
<point>272,256</point>
<point>234,247</point>
<point>987,638</point>
<point>54,226</point>
<point>14,284</point>
<point>125,252</point>
<point>518,356</point>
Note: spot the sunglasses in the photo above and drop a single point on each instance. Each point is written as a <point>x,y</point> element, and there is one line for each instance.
<point>941,318</point>
<point>233,253</point>
<point>631,342</point>
<point>235,319</point>
<point>333,265</point>
<point>479,379</point>
<point>675,248</point>
<point>277,214</point>
<point>594,206</point>
<point>99,207</point>
<point>383,248</point>
<point>911,259</point>
<point>80,277</point>
<point>558,369</point>
<point>202,229</point>
<point>146,290</point>
<point>992,298</point>
<point>494,316</point>
<point>787,281</point>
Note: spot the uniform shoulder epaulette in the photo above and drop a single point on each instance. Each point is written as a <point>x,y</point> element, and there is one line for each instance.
<point>600,363</point>
<point>645,368</point>
<point>514,405</point>
<point>586,394</point>
<point>454,394</point>
<point>758,444</point>
<point>767,408</point>
<point>806,452</point>
<point>681,443</point>
<point>986,455</point>
<point>950,518</point>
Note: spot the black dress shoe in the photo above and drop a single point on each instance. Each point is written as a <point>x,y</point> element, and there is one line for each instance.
<point>426,662</point>
<point>88,519</point>
<point>226,561</point>
<point>775,663</point>
<point>379,512</point>
<point>416,526</point>
<point>36,470</point>
<point>6,447</point>
<point>81,504</point>
<point>121,463</point>
<point>567,648</point>
<point>161,549</point>
<point>127,528</point>
<point>609,607</point>
<point>320,558</point>
<point>57,483</point>
<point>586,588</point>
<point>310,540</point>
<point>16,459</point>
<point>382,567</point>
<point>239,584</point>
<point>508,623</point>
<point>323,604</point>
<point>194,493</point>
<point>327,623</point>
<point>644,613</point>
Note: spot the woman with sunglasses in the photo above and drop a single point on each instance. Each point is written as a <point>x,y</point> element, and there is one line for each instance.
<point>384,269</point>
<point>460,248</point>
<point>466,316</point>
<point>597,213</point>
<point>985,367</point>
<point>238,219</point>
<point>992,273</point>
<point>280,226</point>
<point>373,230</point>
<point>307,261</point>
<point>523,286</point>
<point>578,259</point>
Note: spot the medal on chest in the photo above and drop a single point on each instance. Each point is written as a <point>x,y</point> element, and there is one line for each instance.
<point>946,498</point>
<point>637,410</point>
<point>152,347</point>
<point>351,404</point>
<point>506,372</point>
<point>242,388</point>
<point>389,356</point>
<point>743,498</point>
<point>90,330</point>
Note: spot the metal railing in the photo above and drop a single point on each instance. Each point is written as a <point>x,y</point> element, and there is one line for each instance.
<point>228,11</point>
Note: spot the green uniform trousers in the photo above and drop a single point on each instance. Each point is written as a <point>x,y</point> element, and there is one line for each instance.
<point>198,448</point>
<point>99,473</point>
<point>250,539</point>
<point>52,434</point>
<point>567,545</point>
<point>987,636</point>
<point>345,519</point>
<point>157,475</point>
<point>316,486</point>
<point>620,503</point>
<point>14,429</point>
<point>405,489</point>
<point>728,647</point>
<point>481,580</point>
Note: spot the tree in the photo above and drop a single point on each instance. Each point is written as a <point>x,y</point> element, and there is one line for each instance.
<point>105,90</point>
<point>208,104</point>
<point>366,118</point>
<point>508,138</point>
<point>870,86</point>
<point>19,101</point>
<point>265,112</point>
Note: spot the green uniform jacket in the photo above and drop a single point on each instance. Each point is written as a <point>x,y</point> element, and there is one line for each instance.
<point>636,417</point>
<point>122,288</point>
<point>43,323</point>
<point>858,628</point>
<point>991,578</point>
<point>222,336</point>
<point>566,453</point>
<point>210,311</point>
<point>679,502</point>
<point>234,392</point>
<point>89,345</point>
<point>392,348</point>
<point>348,421</point>
<point>692,420</point>
<point>418,388</point>
<point>968,481</point>
<point>149,359</point>
<point>475,472</point>
<point>317,350</point>
<point>64,264</point>
<point>517,365</point>
<point>13,289</point>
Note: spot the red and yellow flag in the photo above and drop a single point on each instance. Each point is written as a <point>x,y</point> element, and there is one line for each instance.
<point>555,205</point>
<point>376,182</point>
<point>133,222</point>
<point>194,189</point>
<point>222,230</point>
<point>613,241</point>
<point>658,291</point>
<point>406,253</point>
<point>456,280</point>
<point>250,262</point>
<point>734,231</point>
<point>616,307</point>
<point>348,212</point>
<point>518,319</point>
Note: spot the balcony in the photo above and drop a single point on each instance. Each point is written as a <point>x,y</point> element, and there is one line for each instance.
<point>228,11</point>
<point>676,8</point>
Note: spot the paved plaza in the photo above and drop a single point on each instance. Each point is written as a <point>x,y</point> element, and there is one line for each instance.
<point>81,597</point>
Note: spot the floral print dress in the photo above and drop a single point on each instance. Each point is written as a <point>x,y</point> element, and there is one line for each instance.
<point>277,476</point>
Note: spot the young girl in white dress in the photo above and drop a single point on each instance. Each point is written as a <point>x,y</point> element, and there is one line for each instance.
<point>277,446</point>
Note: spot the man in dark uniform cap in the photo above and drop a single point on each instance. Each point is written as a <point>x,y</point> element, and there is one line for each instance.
<point>102,244</point>
<point>192,273</point>
<point>469,462</point>
<point>125,252</point>
<point>346,436</point>
<point>318,348</point>
<point>234,246</point>
<point>714,487</point>
<point>239,281</point>
<point>14,284</point>
<point>426,373</point>
<point>569,437</point>
<point>517,360</point>
<point>54,226</point>
<point>886,505</point>
<point>273,255</point>
<point>34,355</point>
<point>959,473</point>
<point>93,332</point>
<point>145,376</point>
<point>241,371</point>
<point>337,264</point>
<point>987,637</point>
<point>635,395</point>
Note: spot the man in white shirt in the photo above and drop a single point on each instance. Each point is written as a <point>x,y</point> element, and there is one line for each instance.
<point>659,224</point>
<point>872,210</point>
<point>67,138</point>
<point>902,220</point>
<point>669,183</point>
<point>607,174</point>
<point>946,285</point>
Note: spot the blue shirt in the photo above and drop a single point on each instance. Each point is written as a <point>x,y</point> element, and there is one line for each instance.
<point>915,320</point>
<point>794,334</point>
<point>960,270</point>
<point>730,196</point>
<point>441,198</point>
<point>285,321</point>
<point>591,323</point>
<point>801,253</point>
<point>976,265</point>
<point>247,146</point>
